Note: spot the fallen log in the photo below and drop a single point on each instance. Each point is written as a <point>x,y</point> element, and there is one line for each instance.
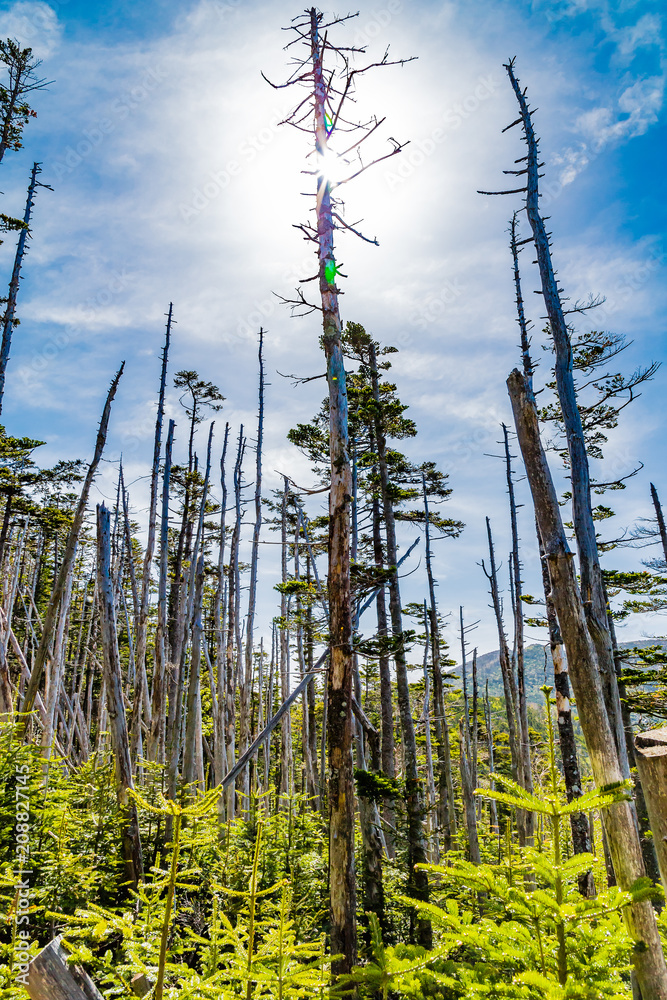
<point>51,978</point>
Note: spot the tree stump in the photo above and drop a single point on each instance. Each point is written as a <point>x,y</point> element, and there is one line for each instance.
<point>51,978</point>
<point>651,757</point>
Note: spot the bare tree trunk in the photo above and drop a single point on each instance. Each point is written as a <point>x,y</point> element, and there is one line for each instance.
<point>414,797</point>
<point>114,702</point>
<point>620,823</point>
<point>8,320</point>
<point>584,527</point>
<point>517,605</point>
<point>339,696</point>
<point>141,703</point>
<point>493,810</point>
<point>581,840</point>
<point>447,810</point>
<point>647,840</point>
<point>386,692</point>
<point>467,788</point>
<point>193,763</point>
<point>432,815</point>
<point>157,733</point>
<point>308,768</point>
<point>660,519</point>
<point>286,725</point>
<point>233,612</point>
<point>254,558</point>
<point>509,681</point>
<point>43,650</point>
<point>220,754</point>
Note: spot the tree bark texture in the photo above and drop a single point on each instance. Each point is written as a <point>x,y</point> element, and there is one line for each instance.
<point>620,822</point>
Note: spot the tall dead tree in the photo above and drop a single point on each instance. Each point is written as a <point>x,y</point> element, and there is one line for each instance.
<point>114,701</point>
<point>219,629</point>
<point>254,561</point>
<point>67,562</point>
<point>327,96</point>
<point>446,804</point>
<point>660,518</point>
<point>517,609</point>
<point>620,820</point>
<point>582,514</point>
<point>286,763</point>
<point>9,318</point>
<point>414,793</point>
<point>141,705</point>
<point>157,735</point>
<point>581,837</point>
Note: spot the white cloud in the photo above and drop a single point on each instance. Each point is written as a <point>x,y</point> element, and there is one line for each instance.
<point>34,25</point>
<point>139,128</point>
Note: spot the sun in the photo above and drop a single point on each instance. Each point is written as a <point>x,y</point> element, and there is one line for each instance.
<point>332,167</point>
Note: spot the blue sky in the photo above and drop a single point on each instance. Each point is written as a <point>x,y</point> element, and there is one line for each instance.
<point>172,181</point>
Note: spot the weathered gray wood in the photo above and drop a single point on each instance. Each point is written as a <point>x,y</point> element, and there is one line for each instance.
<point>112,673</point>
<point>141,984</point>
<point>590,572</point>
<point>418,886</point>
<point>51,978</point>
<point>446,805</point>
<point>620,820</point>
<point>660,519</point>
<point>651,760</point>
<point>141,703</point>
<point>156,736</point>
<point>246,692</point>
<point>8,320</point>
<point>271,725</point>
<point>48,628</point>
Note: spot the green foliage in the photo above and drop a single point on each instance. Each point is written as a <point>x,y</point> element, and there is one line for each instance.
<point>518,928</point>
<point>376,786</point>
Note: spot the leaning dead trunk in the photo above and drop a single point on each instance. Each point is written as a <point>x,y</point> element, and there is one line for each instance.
<point>620,823</point>
<point>43,650</point>
<point>582,514</point>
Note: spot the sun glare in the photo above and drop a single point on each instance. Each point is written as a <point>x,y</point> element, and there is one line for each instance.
<point>332,167</point>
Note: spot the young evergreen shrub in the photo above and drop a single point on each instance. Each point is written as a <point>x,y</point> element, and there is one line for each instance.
<point>526,931</point>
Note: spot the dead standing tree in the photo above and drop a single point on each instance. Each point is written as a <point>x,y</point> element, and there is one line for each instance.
<point>141,703</point>
<point>329,90</point>
<point>581,617</point>
<point>9,321</point>
<point>44,649</point>
<point>581,837</point>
